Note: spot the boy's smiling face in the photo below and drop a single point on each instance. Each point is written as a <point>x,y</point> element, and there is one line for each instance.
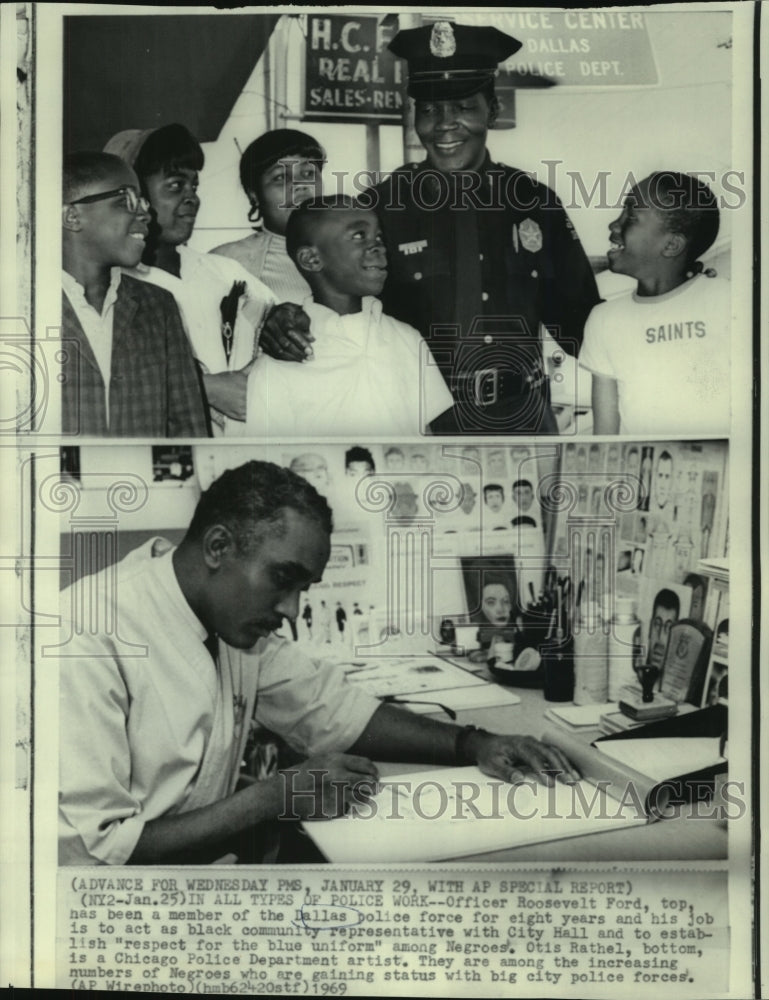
<point>351,250</point>
<point>639,236</point>
<point>111,233</point>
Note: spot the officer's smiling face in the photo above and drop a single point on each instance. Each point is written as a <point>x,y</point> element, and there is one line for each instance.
<point>454,132</point>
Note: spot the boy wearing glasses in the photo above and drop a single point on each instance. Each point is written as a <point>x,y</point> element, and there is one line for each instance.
<point>128,370</point>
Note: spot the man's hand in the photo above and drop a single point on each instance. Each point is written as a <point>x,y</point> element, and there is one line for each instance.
<point>227,392</point>
<point>326,786</point>
<point>286,333</point>
<point>520,758</point>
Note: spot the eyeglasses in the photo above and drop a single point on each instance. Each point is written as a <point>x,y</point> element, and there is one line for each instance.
<point>662,626</point>
<point>133,201</point>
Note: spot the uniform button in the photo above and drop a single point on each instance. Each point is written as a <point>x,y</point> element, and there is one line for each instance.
<point>535,273</point>
<point>480,256</point>
<point>417,275</point>
<point>485,296</point>
<point>488,339</point>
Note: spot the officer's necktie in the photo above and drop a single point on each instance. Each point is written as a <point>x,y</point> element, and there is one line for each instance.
<point>467,267</point>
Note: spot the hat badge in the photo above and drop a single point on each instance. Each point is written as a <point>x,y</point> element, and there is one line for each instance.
<point>442,41</point>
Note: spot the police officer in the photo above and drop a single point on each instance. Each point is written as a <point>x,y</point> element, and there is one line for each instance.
<point>480,255</point>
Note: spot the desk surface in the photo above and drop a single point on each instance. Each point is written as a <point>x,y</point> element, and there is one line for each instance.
<point>684,838</point>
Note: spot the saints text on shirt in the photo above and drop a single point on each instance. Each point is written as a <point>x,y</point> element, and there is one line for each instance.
<point>676,331</point>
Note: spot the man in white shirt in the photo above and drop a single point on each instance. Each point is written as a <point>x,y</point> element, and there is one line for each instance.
<point>155,708</point>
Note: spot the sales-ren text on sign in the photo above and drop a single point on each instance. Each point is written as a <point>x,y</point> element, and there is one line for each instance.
<point>349,73</point>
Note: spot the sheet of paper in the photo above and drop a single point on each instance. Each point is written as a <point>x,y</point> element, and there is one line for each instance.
<point>429,678</point>
<point>407,675</point>
<point>580,715</point>
<point>453,812</point>
<point>667,757</point>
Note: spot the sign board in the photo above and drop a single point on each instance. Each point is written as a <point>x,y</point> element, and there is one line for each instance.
<point>593,48</point>
<point>349,73</point>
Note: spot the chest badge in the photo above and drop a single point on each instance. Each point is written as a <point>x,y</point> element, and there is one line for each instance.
<point>411,248</point>
<point>530,235</point>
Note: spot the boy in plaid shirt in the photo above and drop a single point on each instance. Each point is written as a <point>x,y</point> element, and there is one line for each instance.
<point>128,369</point>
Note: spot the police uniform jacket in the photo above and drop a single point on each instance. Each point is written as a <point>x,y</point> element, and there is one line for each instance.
<point>487,255</point>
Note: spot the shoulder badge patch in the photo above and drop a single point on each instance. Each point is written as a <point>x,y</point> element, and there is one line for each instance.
<point>530,235</point>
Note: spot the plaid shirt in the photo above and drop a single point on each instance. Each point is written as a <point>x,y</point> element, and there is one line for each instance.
<point>155,387</point>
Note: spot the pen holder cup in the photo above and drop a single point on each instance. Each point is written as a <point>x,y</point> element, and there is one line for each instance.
<point>558,670</point>
<point>524,668</point>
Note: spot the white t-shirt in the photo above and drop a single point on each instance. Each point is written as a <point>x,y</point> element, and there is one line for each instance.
<point>669,354</point>
<point>371,374</point>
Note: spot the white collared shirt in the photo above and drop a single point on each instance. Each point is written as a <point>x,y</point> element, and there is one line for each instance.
<point>150,727</point>
<point>96,326</point>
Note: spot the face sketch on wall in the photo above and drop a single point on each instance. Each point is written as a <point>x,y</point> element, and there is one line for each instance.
<point>314,468</point>
<point>663,480</point>
<point>667,607</point>
<point>395,460</point>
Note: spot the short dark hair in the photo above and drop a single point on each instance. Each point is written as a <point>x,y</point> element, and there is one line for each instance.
<point>83,168</point>
<point>695,581</point>
<point>359,454</point>
<point>522,482</point>
<point>257,492</point>
<point>688,207</point>
<point>493,486</point>
<point>490,578</point>
<point>270,147</point>
<point>667,599</point>
<point>168,149</point>
<point>302,223</point>
<point>394,450</point>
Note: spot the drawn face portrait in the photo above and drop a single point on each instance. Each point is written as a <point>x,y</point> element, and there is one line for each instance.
<point>663,479</point>
<point>662,621</point>
<point>313,468</point>
<point>468,498</point>
<point>523,495</point>
<point>496,464</point>
<point>494,498</point>
<point>496,604</point>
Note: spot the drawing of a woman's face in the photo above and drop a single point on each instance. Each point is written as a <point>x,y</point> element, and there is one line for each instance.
<point>496,603</point>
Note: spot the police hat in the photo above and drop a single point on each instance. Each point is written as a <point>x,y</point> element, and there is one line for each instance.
<point>448,61</point>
